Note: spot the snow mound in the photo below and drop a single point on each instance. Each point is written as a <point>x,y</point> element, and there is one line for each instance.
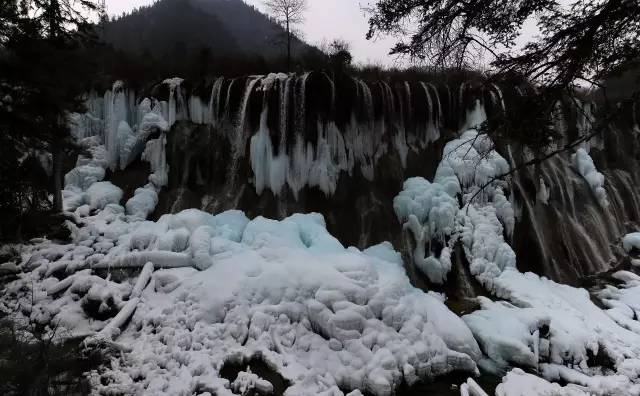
<point>555,328</point>
<point>286,292</point>
<point>623,301</point>
<point>519,383</point>
<point>102,194</point>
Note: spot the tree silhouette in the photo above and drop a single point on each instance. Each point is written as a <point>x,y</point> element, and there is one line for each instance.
<point>338,53</point>
<point>287,13</point>
<point>43,73</point>
<point>584,41</point>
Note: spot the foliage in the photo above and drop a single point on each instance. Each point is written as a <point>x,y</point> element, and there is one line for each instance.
<point>33,362</point>
<point>43,72</point>
<point>339,54</point>
<point>583,41</point>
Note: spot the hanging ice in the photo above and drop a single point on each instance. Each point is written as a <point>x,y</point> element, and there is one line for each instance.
<point>585,166</point>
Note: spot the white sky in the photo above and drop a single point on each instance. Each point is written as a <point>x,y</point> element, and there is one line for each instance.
<point>325,20</point>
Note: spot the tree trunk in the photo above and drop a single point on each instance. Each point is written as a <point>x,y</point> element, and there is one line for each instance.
<point>56,152</point>
<point>288,47</point>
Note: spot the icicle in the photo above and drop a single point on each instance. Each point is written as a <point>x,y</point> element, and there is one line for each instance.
<point>437,97</point>
<point>176,100</point>
<point>197,112</point>
<point>116,111</point>
<point>432,132</point>
<point>238,149</point>
<point>214,102</point>
<point>500,96</point>
<point>284,112</point>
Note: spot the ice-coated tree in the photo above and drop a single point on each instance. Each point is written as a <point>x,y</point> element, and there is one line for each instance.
<point>288,13</point>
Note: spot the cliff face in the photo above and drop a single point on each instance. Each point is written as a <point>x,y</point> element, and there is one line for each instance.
<point>277,145</point>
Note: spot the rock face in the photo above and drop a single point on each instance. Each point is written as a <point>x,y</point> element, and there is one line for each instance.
<point>282,144</point>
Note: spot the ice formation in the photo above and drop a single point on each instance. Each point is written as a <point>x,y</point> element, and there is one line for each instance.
<point>584,164</point>
<point>519,383</point>
<point>113,144</point>
<point>469,170</point>
<point>198,291</point>
<point>285,148</point>
<point>543,192</point>
<point>429,212</point>
<point>471,388</point>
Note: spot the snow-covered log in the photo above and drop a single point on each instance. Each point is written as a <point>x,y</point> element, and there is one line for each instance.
<point>112,328</point>
<point>160,259</point>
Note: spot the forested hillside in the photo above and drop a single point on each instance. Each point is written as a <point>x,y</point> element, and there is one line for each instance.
<point>201,36</point>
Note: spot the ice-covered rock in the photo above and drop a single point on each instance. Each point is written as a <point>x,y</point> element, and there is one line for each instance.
<point>143,202</point>
<point>631,241</point>
<point>576,327</point>
<point>247,382</point>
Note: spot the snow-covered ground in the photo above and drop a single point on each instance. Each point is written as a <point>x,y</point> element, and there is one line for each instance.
<point>205,290</point>
<point>177,299</point>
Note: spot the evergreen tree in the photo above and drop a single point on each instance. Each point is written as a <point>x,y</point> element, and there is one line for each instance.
<point>43,74</point>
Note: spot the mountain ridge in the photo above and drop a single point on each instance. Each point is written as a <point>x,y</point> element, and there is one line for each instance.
<point>173,30</point>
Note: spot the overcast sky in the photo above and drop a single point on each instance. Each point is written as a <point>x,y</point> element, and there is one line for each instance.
<point>325,20</point>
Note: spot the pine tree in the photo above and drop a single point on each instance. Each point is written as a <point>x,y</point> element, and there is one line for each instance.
<point>43,74</point>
